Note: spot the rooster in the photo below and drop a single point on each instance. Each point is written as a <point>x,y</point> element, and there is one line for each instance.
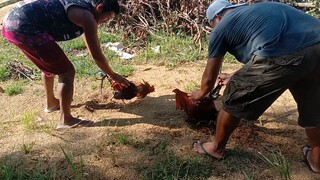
<point>135,89</point>
<point>203,110</point>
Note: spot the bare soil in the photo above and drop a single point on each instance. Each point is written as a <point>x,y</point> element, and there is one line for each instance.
<point>153,118</point>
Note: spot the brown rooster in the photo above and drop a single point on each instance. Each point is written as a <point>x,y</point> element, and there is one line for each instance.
<point>203,110</point>
<point>135,89</point>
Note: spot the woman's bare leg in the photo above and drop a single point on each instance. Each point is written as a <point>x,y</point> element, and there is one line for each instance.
<point>48,83</point>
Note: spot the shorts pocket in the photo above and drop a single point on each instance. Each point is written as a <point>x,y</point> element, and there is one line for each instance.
<point>291,59</point>
<point>239,94</point>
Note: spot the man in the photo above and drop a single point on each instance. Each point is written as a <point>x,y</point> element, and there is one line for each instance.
<point>34,26</point>
<point>280,48</point>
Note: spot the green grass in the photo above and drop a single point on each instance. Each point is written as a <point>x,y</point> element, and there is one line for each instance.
<point>278,163</point>
<point>122,138</point>
<point>4,72</point>
<point>192,86</point>
<point>175,49</point>
<point>27,147</point>
<point>9,52</point>
<point>14,88</point>
<point>28,120</point>
<point>14,167</point>
<point>171,166</point>
<point>77,171</point>
<point>9,172</point>
<point>168,165</point>
<point>239,161</point>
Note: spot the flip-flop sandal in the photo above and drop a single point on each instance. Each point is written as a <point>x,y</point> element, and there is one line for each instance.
<point>306,150</point>
<point>205,151</point>
<point>81,123</point>
<point>56,108</point>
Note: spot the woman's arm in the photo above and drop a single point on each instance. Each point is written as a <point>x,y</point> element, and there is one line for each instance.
<point>86,20</point>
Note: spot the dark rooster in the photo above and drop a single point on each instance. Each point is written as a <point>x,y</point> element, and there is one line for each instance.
<point>135,89</point>
<point>202,111</point>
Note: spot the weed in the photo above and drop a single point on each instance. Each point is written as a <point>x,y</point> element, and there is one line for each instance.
<point>83,66</point>
<point>248,176</point>
<point>105,36</point>
<point>4,73</point>
<point>7,171</point>
<point>114,157</point>
<point>122,138</point>
<point>279,163</point>
<point>171,166</point>
<point>174,49</point>
<point>140,144</point>
<point>240,161</point>
<point>74,44</point>
<point>159,148</point>
<point>27,148</point>
<point>12,168</point>
<point>228,58</point>
<point>125,70</point>
<point>14,88</point>
<point>28,120</point>
<point>192,86</point>
<point>79,174</point>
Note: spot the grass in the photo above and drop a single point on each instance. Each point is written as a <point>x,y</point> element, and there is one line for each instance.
<point>175,49</point>
<point>122,138</point>
<point>171,166</point>
<point>278,163</point>
<point>8,172</point>
<point>191,86</point>
<point>28,120</point>
<point>78,172</point>
<point>27,147</point>
<point>14,88</point>
<point>167,164</point>
<point>4,72</point>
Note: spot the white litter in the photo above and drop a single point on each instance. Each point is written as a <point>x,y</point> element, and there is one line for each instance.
<point>157,49</point>
<point>118,48</point>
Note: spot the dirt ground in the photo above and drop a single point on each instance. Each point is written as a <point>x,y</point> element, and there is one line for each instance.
<point>154,118</point>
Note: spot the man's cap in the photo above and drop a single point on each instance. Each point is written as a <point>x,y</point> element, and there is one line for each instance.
<point>218,6</point>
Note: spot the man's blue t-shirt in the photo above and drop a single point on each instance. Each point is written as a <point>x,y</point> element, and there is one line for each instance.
<point>264,29</point>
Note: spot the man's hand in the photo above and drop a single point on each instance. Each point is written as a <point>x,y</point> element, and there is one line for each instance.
<point>195,95</point>
<point>223,78</point>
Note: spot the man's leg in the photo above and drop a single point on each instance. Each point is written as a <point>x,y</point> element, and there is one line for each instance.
<point>226,124</point>
<point>314,157</point>
<point>48,82</point>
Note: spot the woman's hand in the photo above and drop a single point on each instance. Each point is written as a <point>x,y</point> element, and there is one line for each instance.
<point>120,79</point>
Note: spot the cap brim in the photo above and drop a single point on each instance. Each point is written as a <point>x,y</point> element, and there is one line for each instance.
<point>236,5</point>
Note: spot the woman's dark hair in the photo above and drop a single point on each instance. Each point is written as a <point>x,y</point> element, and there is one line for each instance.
<point>108,5</point>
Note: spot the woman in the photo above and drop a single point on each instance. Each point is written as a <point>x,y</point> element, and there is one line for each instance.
<point>34,26</point>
